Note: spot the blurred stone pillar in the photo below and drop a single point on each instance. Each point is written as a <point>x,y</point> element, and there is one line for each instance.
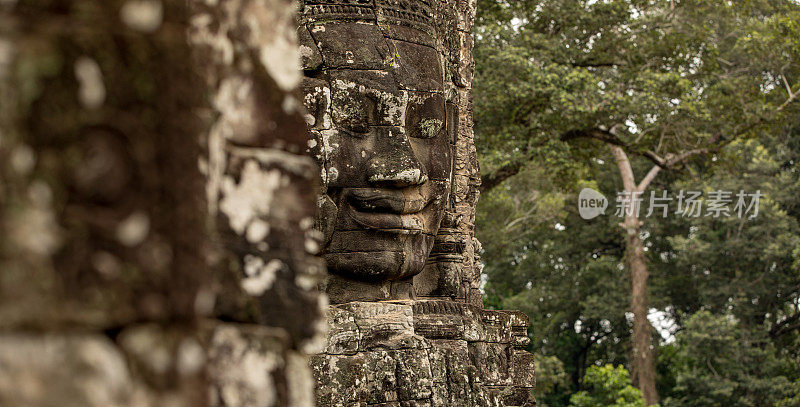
<point>155,204</point>
<point>261,192</point>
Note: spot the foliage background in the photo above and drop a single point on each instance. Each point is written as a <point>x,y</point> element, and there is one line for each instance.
<point>665,76</point>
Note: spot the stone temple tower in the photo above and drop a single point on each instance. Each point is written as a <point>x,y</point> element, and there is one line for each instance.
<point>387,88</point>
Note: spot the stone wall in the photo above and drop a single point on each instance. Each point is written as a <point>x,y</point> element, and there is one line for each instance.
<point>424,353</point>
<point>155,204</point>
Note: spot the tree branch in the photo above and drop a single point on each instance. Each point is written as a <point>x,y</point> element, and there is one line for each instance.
<point>651,175</point>
<point>598,134</point>
<point>608,137</point>
<point>785,326</point>
<point>496,177</point>
<point>791,98</point>
<point>788,87</point>
<point>625,169</point>
<point>655,158</point>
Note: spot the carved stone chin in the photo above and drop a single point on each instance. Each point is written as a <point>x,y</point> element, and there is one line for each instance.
<point>377,111</point>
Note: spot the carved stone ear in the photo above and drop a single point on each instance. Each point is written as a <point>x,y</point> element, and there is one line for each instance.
<point>317,101</point>
<point>326,218</point>
<point>452,121</point>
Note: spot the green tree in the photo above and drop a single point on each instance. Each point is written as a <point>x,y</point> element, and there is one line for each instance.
<point>744,269</point>
<point>559,269</point>
<point>720,364</point>
<point>550,377</point>
<point>607,386</point>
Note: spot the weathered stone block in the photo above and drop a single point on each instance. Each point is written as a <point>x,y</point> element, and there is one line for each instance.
<point>497,326</point>
<point>518,397</point>
<point>343,333</point>
<point>152,366</point>
<point>454,369</point>
<point>317,101</point>
<point>341,380</point>
<point>70,371</point>
<point>384,325</point>
<point>492,361</point>
<point>441,277</point>
<point>439,319</point>
<point>523,369</point>
<point>414,375</point>
<point>243,363</point>
<point>353,46</point>
<point>382,381</point>
<point>310,57</point>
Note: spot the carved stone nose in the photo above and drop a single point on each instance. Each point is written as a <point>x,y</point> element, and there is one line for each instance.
<point>395,165</point>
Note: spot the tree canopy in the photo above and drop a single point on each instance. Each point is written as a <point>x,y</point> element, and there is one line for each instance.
<point>558,81</point>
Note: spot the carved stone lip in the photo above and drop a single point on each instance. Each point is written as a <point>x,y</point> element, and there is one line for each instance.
<point>385,201</point>
<point>386,210</point>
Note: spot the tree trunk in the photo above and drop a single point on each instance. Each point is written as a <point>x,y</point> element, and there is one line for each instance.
<point>643,362</point>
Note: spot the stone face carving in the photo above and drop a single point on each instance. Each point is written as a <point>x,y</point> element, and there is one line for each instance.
<point>378,113</point>
<point>387,89</point>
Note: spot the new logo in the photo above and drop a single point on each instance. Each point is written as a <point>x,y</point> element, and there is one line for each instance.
<point>591,204</point>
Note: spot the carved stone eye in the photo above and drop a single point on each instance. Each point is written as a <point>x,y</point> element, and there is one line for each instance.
<point>358,128</point>
<point>425,118</point>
